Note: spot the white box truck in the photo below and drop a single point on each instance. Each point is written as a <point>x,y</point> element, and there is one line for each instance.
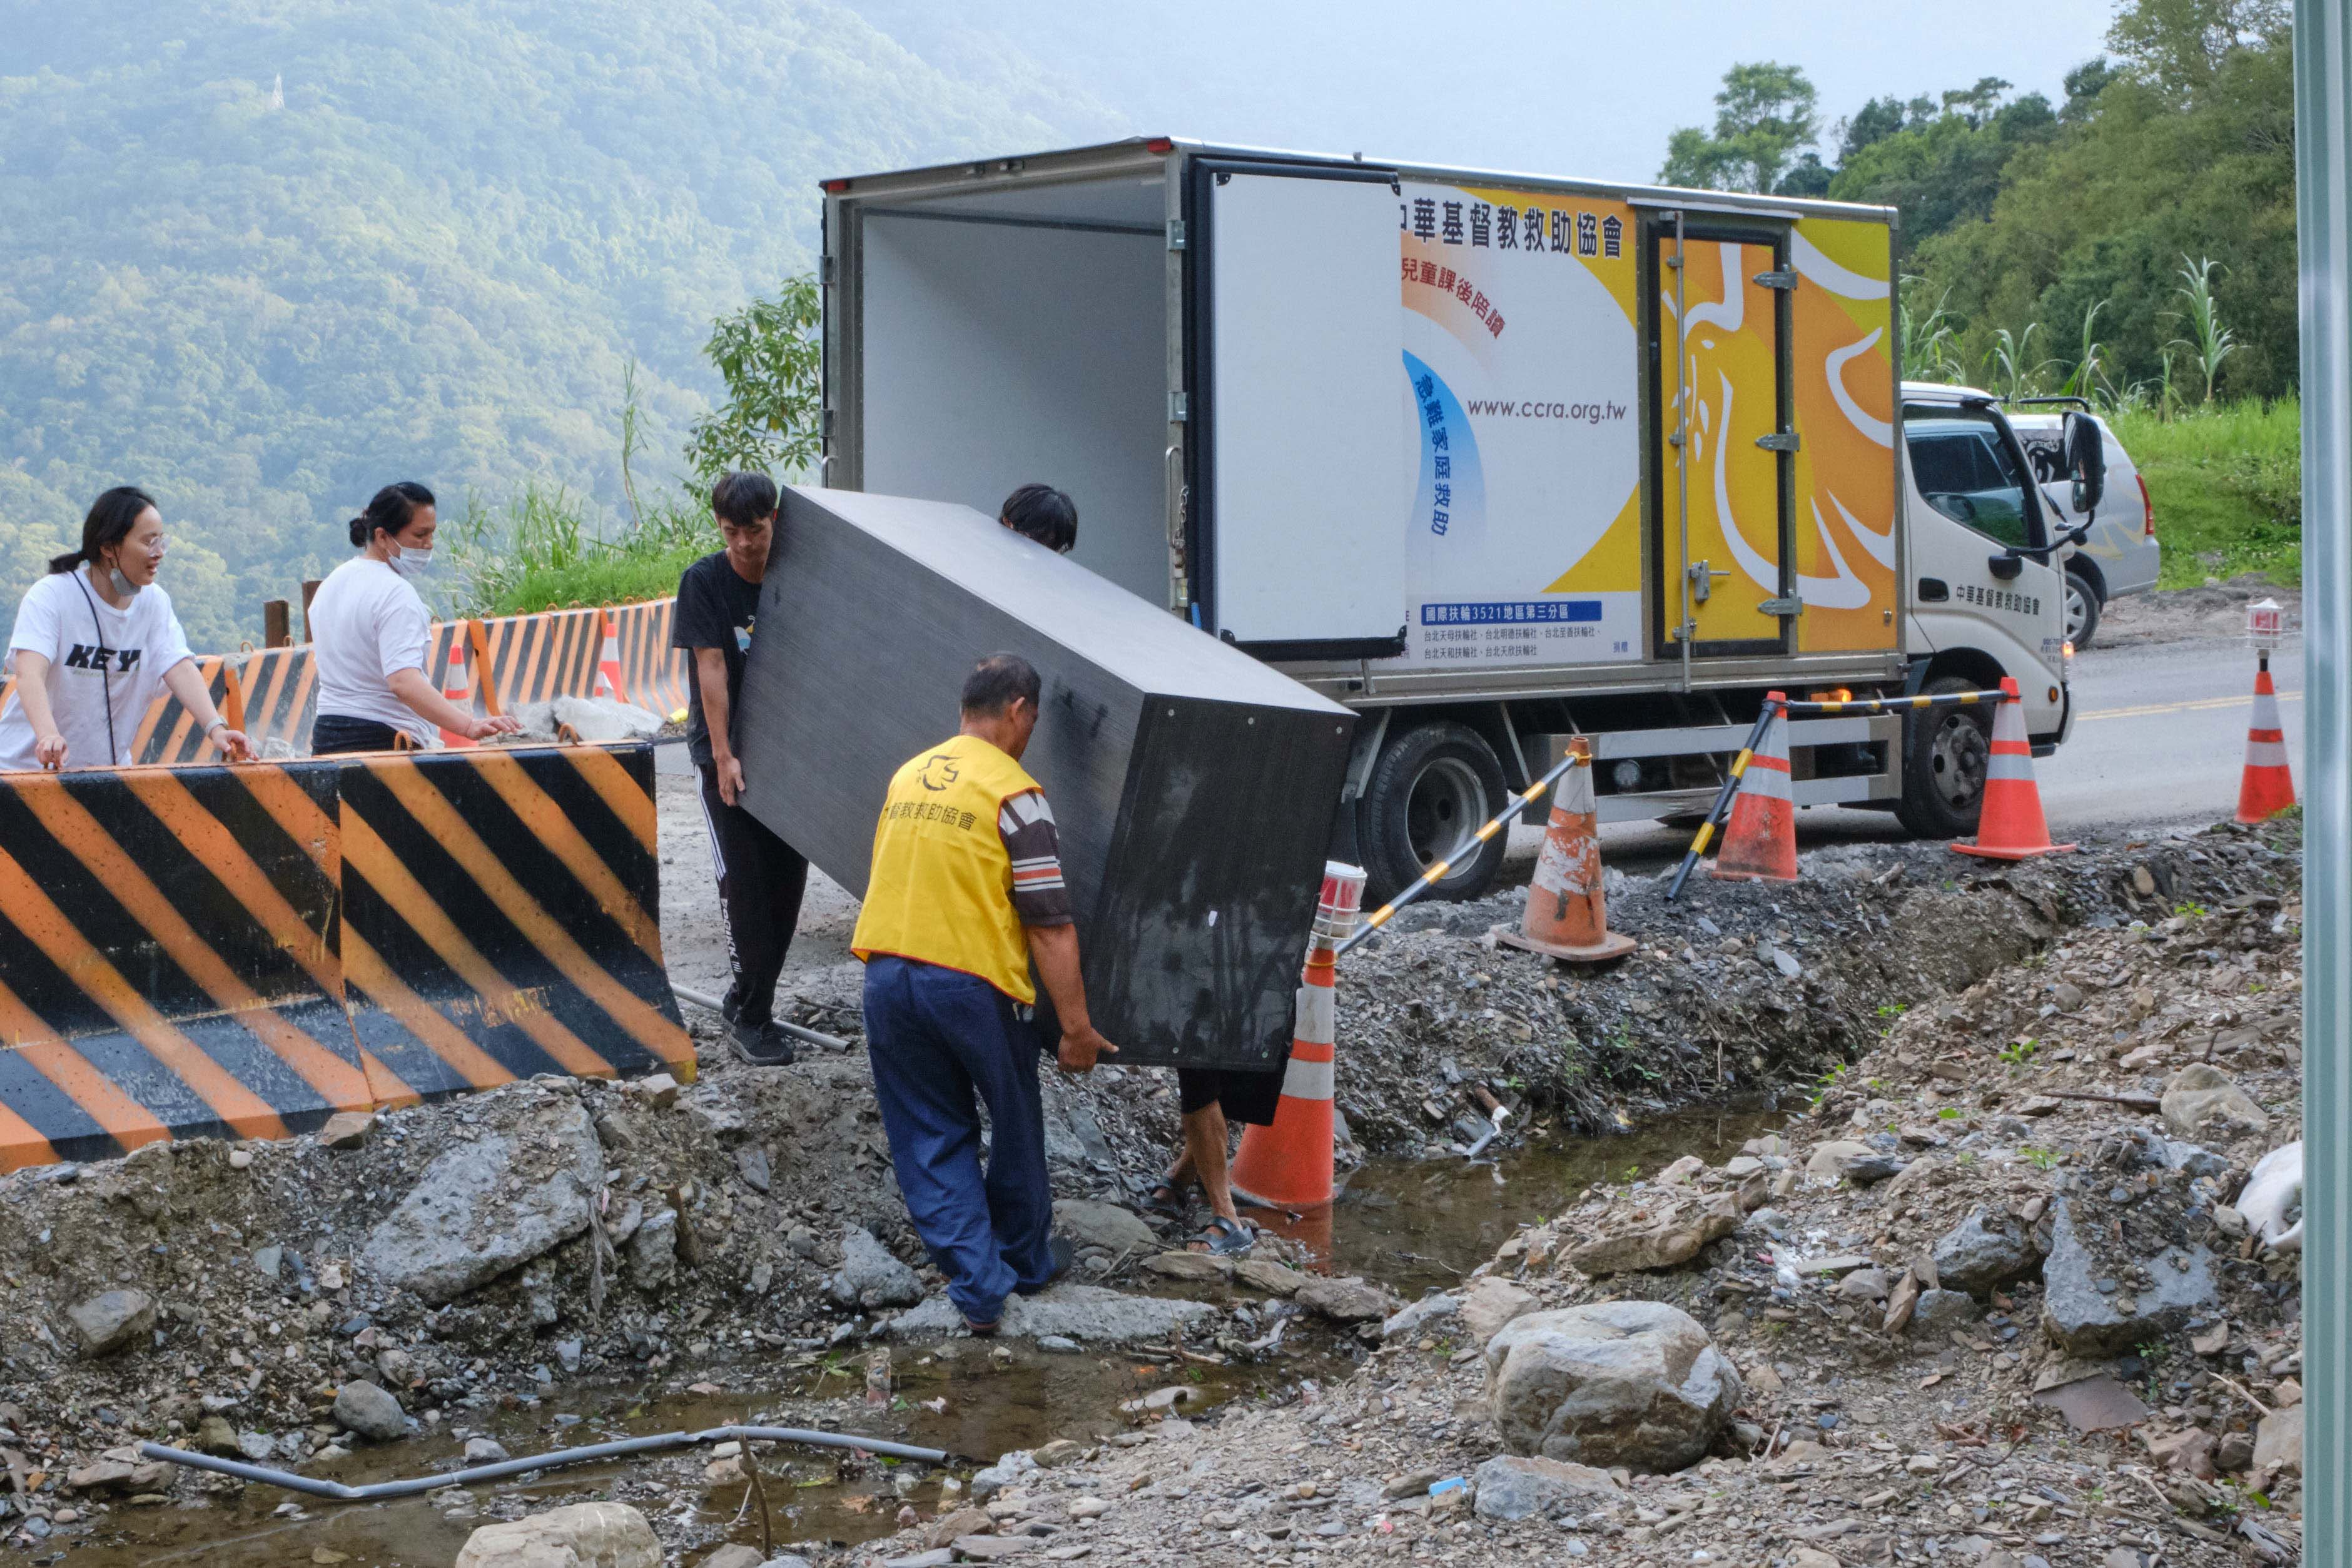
<point>1494,459</point>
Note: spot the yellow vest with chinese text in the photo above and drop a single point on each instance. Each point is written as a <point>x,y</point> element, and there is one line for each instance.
<point>940,890</point>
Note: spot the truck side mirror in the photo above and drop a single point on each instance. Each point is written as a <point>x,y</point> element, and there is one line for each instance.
<point>2086,461</point>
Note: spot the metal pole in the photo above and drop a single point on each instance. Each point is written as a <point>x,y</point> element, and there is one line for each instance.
<point>1716,813</point>
<point>1689,630</point>
<point>1430,878</point>
<point>798,1032</point>
<point>2322,66</point>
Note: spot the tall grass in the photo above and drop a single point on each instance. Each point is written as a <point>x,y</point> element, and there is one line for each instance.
<point>2226,483</point>
<point>541,549</point>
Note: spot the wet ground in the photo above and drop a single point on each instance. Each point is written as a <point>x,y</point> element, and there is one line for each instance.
<point>1412,1225</point>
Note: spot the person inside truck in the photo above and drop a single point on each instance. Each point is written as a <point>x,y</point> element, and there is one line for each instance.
<point>1042,514</point>
<point>760,877</point>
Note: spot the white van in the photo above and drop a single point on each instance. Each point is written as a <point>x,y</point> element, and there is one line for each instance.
<point>2121,555</point>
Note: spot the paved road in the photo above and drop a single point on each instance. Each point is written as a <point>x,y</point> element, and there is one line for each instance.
<point>2160,738</point>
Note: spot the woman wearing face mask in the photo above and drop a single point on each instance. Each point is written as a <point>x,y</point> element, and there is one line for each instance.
<point>371,636</point>
<point>94,642</point>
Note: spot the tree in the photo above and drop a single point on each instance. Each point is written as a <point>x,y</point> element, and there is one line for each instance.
<point>768,355</point>
<point>2180,45</point>
<point>1762,117</point>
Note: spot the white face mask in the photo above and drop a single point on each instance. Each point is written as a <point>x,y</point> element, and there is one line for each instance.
<point>409,562</point>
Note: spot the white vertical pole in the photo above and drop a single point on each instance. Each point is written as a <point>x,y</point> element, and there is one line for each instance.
<point>2322,66</point>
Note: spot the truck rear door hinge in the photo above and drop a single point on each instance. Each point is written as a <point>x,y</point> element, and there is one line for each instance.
<point>1776,280</point>
<point>826,274</point>
<point>1177,408</point>
<point>1175,233</point>
<point>1792,605</point>
<point>1779,441</point>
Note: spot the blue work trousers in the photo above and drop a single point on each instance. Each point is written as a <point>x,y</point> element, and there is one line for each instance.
<point>935,1037</point>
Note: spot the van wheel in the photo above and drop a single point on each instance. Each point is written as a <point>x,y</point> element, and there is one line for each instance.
<point>2081,610</point>
<point>1430,787</point>
<point>1945,752</point>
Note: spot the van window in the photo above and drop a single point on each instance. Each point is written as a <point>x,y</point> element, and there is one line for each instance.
<point>1965,470</point>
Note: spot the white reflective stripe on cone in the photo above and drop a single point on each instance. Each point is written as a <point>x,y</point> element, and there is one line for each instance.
<point>2266,754</point>
<point>2266,712</point>
<point>2017,769</point>
<point>1318,1019</point>
<point>1765,782</point>
<point>1307,1079</point>
<point>1576,792</point>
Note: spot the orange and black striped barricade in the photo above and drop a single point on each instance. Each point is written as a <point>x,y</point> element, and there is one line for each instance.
<point>281,699</point>
<point>167,965</point>
<point>169,734</point>
<point>538,658</point>
<point>653,676</point>
<point>501,916</point>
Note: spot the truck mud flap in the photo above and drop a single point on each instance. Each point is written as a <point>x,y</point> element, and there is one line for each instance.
<point>167,959</point>
<point>500,917</point>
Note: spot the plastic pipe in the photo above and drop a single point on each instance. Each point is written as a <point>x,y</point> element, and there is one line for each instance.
<point>336,1492</point>
<point>798,1032</point>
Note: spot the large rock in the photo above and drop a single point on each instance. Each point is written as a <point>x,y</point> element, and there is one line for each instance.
<point>2279,1441</point>
<point>1508,1487</point>
<point>491,1205</point>
<point>1636,1384</point>
<point>1662,1237</point>
<point>1103,1225</point>
<point>2201,1099</point>
<point>1088,1312</point>
<point>585,1535</point>
<point>2146,1299</point>
<point>599,721</point>
<point>1349,1300</point>
<point>870,1277</point>
<point>1491,1303</point>
<point>106,1324</point>
<point>1986,1251</point>
<point>652,1251</point>
<point>1419,1315</point>
<point>364,1408</point>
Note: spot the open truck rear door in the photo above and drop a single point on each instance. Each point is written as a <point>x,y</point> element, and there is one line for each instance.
<point>1298,408</point>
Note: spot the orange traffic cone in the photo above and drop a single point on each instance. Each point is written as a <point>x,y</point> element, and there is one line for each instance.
<point>1567,916</point>
<point>2267,788</point>
<point>457,685</point>
<point>1289,1163</point>
<point>2011,826</point>
<point>1759,842</point>
<point>608,663</point>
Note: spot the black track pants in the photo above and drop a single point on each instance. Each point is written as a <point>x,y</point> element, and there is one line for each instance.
<point>761,881</point>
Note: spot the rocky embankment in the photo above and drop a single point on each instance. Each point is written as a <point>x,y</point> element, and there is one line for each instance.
<point>486,1255</point>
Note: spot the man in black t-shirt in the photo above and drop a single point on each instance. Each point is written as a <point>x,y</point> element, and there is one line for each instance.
<point>760,877</point>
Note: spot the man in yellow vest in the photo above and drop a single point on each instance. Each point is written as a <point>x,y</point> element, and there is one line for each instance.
<point>965,893</point>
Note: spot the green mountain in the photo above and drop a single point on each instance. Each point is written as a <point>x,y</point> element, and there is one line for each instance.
<point>263,256</point>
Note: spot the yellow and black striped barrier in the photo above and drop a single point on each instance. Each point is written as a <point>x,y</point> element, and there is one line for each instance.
<point>1820,709</point>
<point>537,658</point>
<point>243,951</point>
<point>653,676</point>
<point>1437,874</point>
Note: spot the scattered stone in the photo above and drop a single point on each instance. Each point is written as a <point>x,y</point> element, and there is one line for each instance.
<point>1868,1170</point>
<point>1086,1314</point>
<point>1830,1159</point>
<point>961,1522</point>
<point>2201,1098</point>
<point>871,1275</point>
<point>1490,1304</point>
<point>652,1251</point>
<point>2278,1441</point>
<point>1197,1268</point>
<point>1410,1321</point>
<point>938,1557</point>
<point>1636,1384</point>
<point>1939,1313</point>
<point>371,1412</point>
<point>2085,1321</point>
<point>1984,1252</point>
<point>1508,1487</point>
<point>215,1436</point>
<point>732,1554</point>
<point>1059,1452</point>
<point>1864,1285</point>
<point>111,1322</point>
<point>2097,1404</point>
<point>1349,1300</point>
<point>2235,1452</point>
<point>585,1535</point>
<point>485,1451</point>
<point>1672,1236</point>
<point>485,1208</point>
<point>1116,1230</point>
<point>1059,1345</point>
<point>1266,1274</point>
<point>1088,1507</point>
<point>994,1547</point>
<point>347,1129</point>
<point>752,1165</point>
<point>2188,1451</point>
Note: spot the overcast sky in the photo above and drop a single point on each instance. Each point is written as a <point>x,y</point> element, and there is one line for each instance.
<point>1571,87</point>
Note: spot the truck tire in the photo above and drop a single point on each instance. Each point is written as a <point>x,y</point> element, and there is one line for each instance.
<point>1945,750</point>
<point>1430,787</point>
<point>2081,610</point>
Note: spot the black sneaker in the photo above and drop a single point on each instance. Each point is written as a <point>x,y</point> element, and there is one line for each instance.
<point>1063,1251</point>
<point>760,1045</point>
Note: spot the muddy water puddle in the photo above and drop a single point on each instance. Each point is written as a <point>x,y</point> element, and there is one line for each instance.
<point>1411,1225</point>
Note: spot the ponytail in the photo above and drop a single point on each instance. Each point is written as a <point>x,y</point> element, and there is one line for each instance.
<point>389,511</point>
<point>108,521</point>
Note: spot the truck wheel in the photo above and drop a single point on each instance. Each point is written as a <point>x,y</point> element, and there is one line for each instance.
<point>2081,611</point>
<point>1430,787</point>
<point>1945,750</point>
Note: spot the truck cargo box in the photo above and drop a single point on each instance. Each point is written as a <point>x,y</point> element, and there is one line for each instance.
<point>1194,786</point>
